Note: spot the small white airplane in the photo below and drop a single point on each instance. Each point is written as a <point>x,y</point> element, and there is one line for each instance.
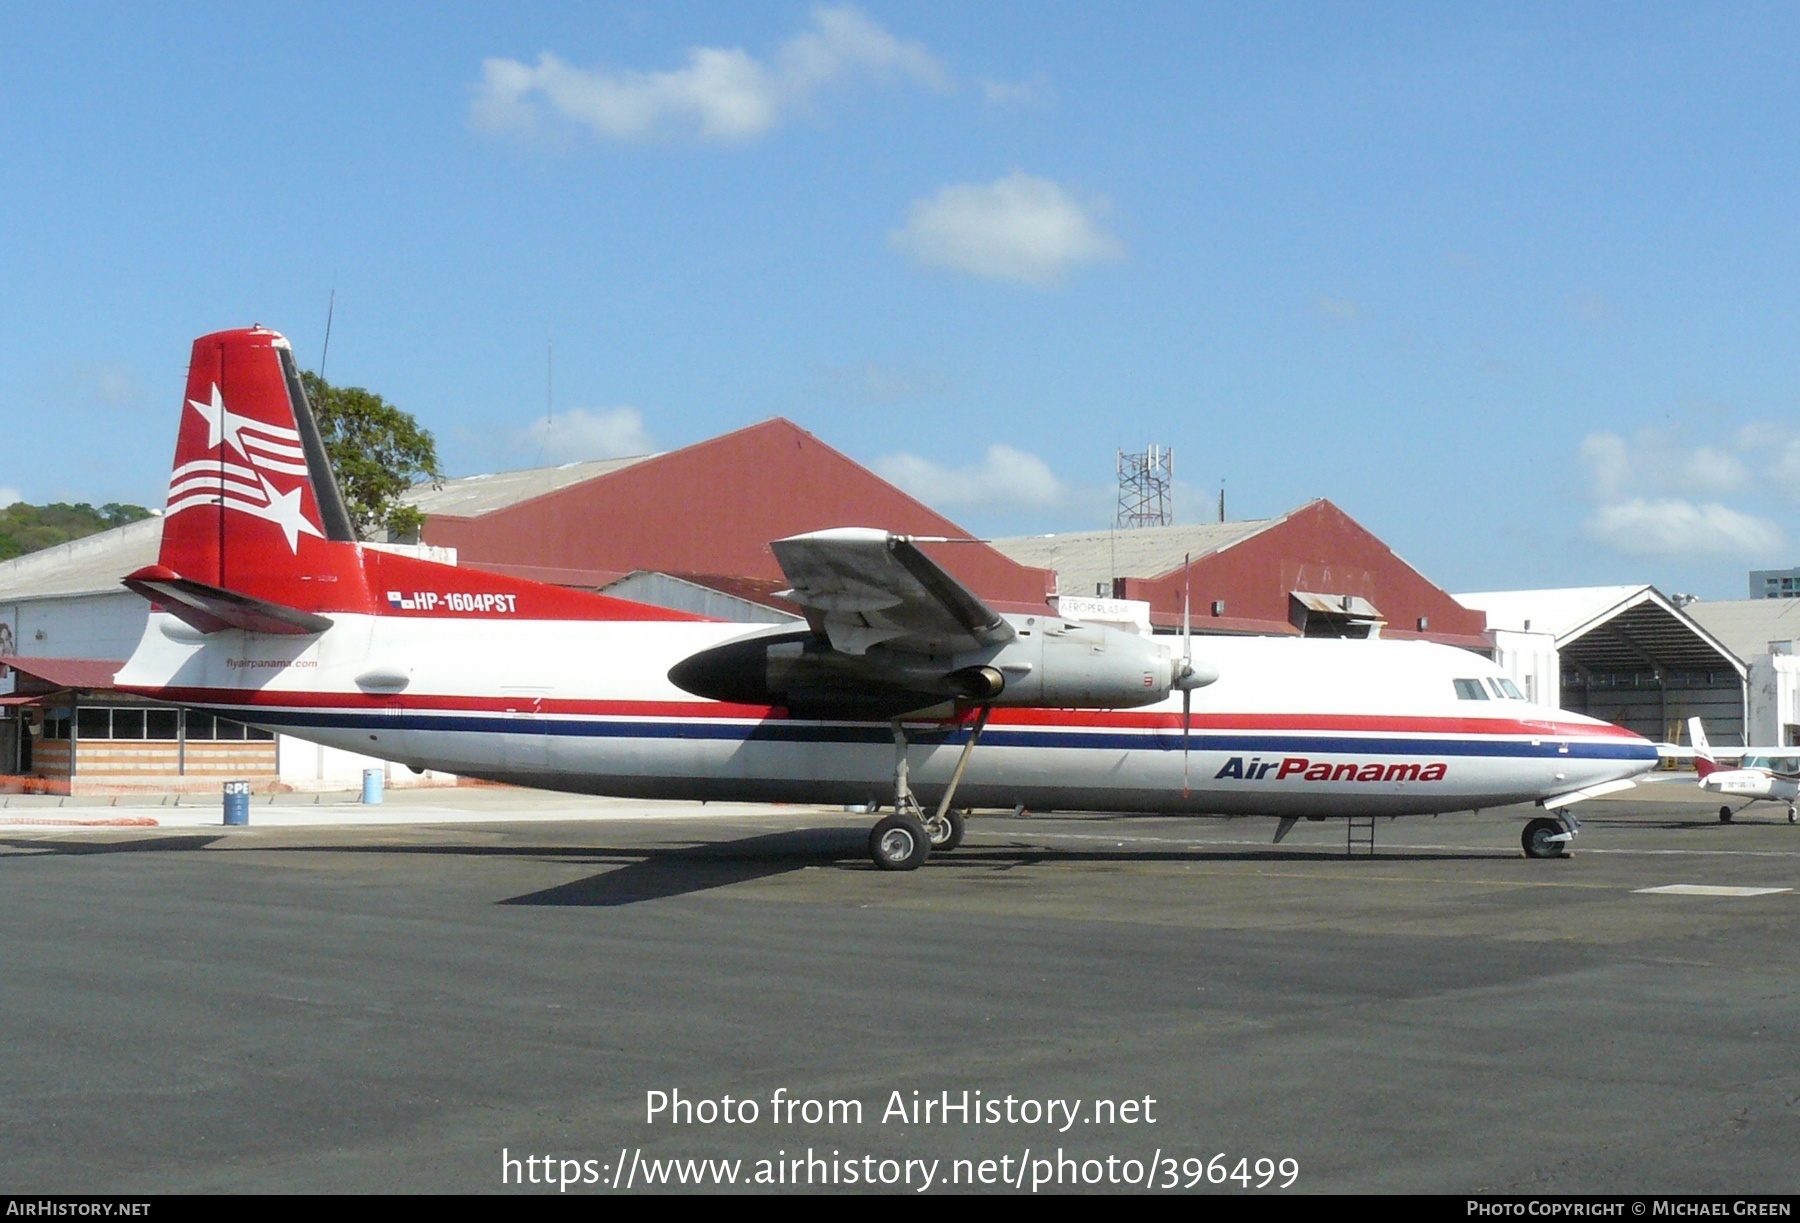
<point>267,610</point>
<point>1763,775</point>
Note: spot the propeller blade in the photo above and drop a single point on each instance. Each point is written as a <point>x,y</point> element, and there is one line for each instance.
<point>1187,666</point>
<point>1187,721</point>
<point>1187,611</point>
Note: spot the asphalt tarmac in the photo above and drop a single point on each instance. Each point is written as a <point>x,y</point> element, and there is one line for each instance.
<point>311,1006</point>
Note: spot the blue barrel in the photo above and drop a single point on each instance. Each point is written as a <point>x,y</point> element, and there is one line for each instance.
<point>372,779</point>
<point>237,802</point>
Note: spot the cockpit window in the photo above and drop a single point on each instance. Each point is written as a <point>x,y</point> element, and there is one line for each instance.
<point>1470,690</point>
<point>1511,689</point>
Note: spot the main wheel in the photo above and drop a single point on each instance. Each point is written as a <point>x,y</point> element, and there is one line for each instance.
<point>1537,839</point>
<point>1724,815</point>
<point>946,834</point>
<point>899,843</point>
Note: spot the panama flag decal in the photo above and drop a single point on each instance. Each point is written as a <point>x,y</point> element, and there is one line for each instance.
<point>243,483</point>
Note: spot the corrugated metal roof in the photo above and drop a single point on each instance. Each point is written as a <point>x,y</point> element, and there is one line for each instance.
<point>1084,559</point>
<point>66,672</point>
<point>467,496</point>
<point>1548,611</point>
<point>91,565</point>
<point>1747,626</point>
<point>1609,628</point>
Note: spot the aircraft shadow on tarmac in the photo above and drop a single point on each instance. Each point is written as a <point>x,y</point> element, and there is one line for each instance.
<point>634,874</point>
<point>151,844</point>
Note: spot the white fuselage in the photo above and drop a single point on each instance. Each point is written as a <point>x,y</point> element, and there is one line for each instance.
<point>1754,783</point>
<point>1291,727</point>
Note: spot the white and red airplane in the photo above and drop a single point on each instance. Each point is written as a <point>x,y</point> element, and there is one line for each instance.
<point>1763,775</point>
<point>267,610</point>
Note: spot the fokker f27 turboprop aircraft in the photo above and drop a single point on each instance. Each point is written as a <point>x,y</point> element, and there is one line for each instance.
<point>267,610</point>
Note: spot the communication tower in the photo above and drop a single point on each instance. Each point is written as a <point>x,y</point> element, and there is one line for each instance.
<point>1145,484</point>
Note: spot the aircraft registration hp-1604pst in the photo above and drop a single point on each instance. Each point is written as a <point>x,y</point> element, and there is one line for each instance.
<point>267,610</point>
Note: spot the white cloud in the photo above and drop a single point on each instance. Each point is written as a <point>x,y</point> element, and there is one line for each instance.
<point>1017,228</point>
<point>9,496</point>
<point>1005,477</point>
<point>578,434</point>
<point>1672,527</point>
<point>1661,460</point>
<point>1658,491</point>
<point>719,94</point>
<point>1036,92</point>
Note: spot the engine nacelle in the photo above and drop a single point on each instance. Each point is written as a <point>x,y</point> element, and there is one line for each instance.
<point>1049,663</point>
<point>1065,664</point>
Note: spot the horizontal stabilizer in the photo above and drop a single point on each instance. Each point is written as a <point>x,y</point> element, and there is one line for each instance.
<point>213,609</point>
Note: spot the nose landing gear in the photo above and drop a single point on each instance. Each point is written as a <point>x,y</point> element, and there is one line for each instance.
<point>1546,838</point>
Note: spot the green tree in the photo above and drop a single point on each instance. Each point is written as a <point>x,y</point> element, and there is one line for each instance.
<point>27,528</point>
<point>377,452</point>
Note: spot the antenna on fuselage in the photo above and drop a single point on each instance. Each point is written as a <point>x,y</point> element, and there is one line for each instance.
<point>330,309</point>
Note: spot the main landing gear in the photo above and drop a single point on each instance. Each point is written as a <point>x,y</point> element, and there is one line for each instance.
<point>905,839</point>
<point>1725,813</point>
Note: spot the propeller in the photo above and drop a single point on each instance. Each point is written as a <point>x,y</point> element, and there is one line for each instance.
<point>1188,676</point>
<point>1187,667</point>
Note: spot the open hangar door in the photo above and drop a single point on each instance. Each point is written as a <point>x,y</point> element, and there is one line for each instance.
<point>1649,668</point>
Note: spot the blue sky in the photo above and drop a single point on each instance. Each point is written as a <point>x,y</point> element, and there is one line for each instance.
<point>1514,285</point>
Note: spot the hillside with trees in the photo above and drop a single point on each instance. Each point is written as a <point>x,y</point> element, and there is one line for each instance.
<point>28,528</point>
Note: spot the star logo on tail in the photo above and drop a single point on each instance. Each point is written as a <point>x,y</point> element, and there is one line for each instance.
<point>245,486</point>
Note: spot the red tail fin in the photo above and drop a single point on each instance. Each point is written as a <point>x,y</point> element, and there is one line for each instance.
<point>253,506</point>
<point>1704,764</point>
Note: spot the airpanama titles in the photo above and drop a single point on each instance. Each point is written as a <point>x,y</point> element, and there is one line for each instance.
<point>1302,769</point>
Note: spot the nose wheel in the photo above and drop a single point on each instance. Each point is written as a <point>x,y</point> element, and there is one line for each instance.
<point>1725,814</point>
<point>1545,838</point>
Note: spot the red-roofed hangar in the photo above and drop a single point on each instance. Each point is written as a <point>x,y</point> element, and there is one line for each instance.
<point>709,508</point>
<point>1314,572</point>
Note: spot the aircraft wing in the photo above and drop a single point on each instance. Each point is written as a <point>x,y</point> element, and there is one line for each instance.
<point>1679,752</point>
<point>862,587</point>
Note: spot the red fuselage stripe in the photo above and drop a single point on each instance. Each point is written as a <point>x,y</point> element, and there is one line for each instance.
<point>714,710</point>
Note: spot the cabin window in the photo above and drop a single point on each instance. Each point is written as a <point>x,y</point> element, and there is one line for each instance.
<point>1470,690</point>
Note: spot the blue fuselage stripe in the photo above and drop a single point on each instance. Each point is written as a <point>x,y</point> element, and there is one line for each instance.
<point>848,733</point>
